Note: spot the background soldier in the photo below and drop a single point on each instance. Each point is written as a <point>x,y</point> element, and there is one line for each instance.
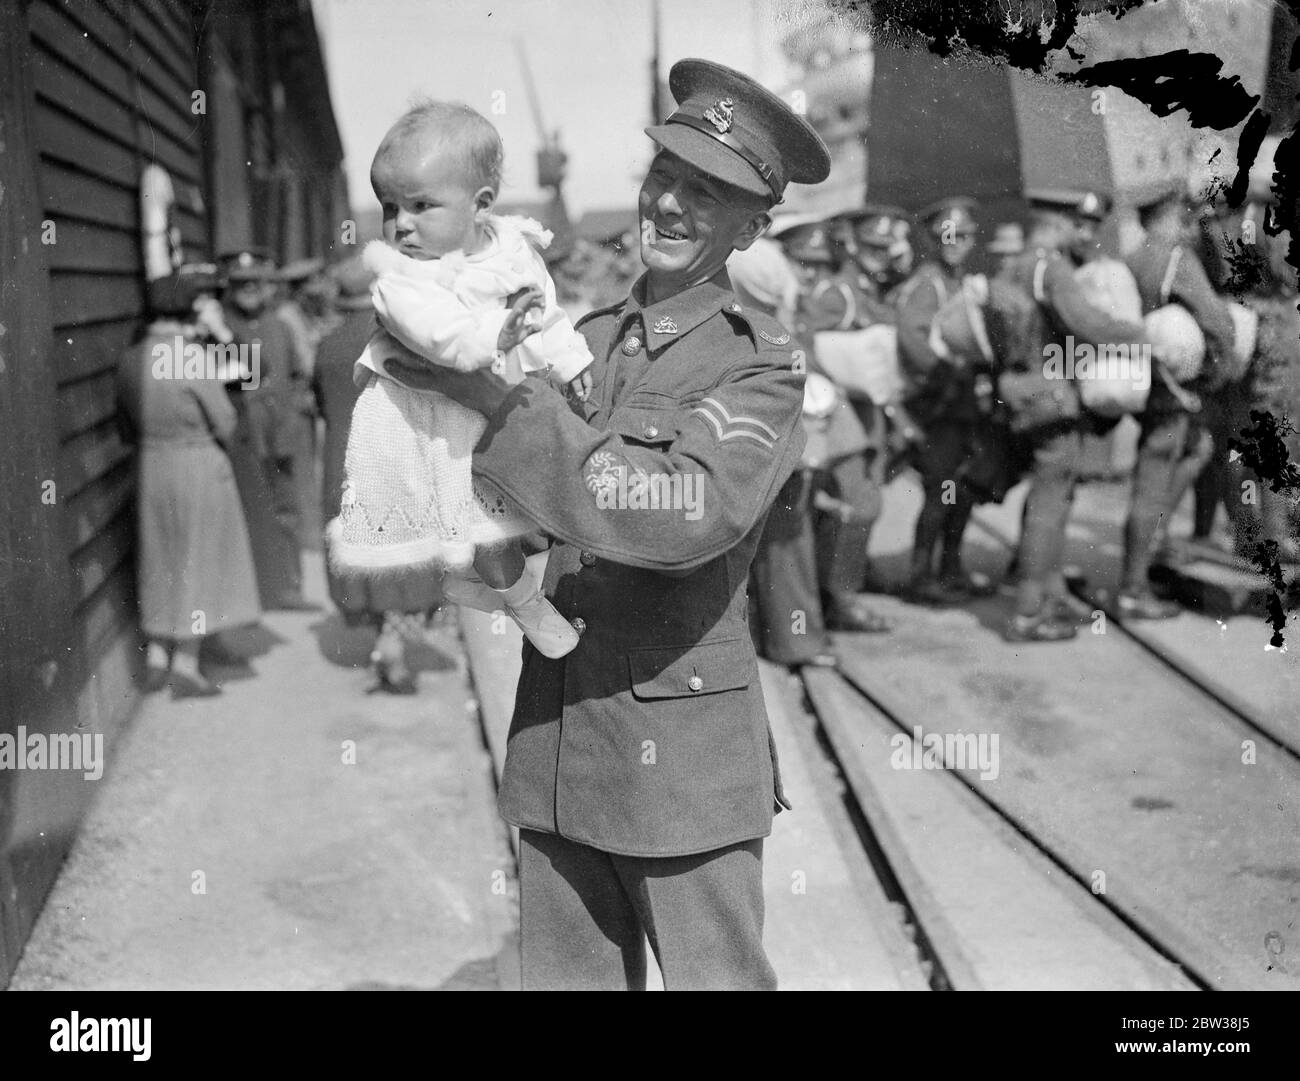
<point>842,478</point>
<point>1172,449</point>
<point>308,313</point>
<point>264,439</point>
<point>942,398</point>
<point>1047,414</point>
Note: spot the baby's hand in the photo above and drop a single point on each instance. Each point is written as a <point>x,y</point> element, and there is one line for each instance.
<point>580,385</point>
<point>518,324</point>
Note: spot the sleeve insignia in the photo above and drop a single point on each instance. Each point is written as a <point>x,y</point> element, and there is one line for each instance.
<point>726,427</point>
<point>783,339</point>
<point>604,472</point>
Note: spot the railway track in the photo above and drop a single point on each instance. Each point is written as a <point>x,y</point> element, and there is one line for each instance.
<point>1115,847</point>
<point>1195,671</point>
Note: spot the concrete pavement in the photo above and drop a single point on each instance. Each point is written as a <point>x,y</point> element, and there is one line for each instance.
<point>295,832</point>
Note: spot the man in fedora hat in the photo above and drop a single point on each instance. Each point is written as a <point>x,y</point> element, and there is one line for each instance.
<point>639,768</point>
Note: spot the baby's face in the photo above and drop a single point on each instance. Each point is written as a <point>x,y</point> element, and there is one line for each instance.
<point>428,202</point>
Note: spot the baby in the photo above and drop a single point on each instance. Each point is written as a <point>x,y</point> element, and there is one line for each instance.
<point>461,287</point>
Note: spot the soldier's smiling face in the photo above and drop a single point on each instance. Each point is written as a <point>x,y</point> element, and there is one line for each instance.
<point>691,222</point>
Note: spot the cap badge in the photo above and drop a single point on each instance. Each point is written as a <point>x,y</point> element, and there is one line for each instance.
<point>719,115</point>
<point>665,325</point>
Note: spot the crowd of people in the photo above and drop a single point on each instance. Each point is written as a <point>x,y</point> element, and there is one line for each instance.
<point>912,361</point>
<point>955,384</point>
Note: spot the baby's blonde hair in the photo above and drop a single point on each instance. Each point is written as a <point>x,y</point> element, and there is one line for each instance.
<point>452,124</point>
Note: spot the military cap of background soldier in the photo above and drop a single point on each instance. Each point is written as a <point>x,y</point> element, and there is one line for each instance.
<point>739,132</point>
<point>1008,239</point>
<point>953,215</point>
<point>1090,205</point>
<point>878,225</point>
<point>806,238</point>
<point>247,264</point>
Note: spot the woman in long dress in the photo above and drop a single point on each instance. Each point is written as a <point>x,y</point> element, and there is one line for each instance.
<point>194,562</point>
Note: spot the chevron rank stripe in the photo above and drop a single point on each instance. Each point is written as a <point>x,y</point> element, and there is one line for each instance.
<point>726,427</point>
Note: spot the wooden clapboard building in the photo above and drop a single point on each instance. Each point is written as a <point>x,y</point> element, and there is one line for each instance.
<point>230,99</point>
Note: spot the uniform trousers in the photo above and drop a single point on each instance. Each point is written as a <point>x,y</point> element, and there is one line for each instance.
<point>1171,452</point>
<point>949,500</point>
<point>584,916</point>
<point>842,546</point>
<point>790,627</point>
<point>1054,456</point>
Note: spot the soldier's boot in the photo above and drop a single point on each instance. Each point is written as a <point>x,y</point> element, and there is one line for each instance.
<point>549,632</point>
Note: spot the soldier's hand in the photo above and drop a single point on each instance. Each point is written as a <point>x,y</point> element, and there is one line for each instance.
<point>520,320</point>
<point>482,390</point>
<point>580,385</point>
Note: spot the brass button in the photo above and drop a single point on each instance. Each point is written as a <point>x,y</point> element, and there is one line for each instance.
<point>695,683</point>
<point>632,346</point>
<point>579,625</point>
<point>587,559</point>
<point>651,432</point>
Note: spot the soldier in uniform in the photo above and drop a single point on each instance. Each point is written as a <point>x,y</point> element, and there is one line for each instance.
<point>264,438</point>
<point>943,399</point>
<point>839,483</point>
<point>1062,235</point>
<point>871,252</point>
<point>1171,448</point>
<point>639,768</point>
<point>307,313</point>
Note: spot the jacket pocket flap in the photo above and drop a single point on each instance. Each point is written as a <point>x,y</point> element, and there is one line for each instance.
<point>691,671</point>
<point>646,425</point>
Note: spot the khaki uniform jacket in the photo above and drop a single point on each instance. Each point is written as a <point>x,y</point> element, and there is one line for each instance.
<point>651,737</point>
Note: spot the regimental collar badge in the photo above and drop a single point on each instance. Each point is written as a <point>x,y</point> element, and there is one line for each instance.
<point>784,339</point>
<point>665,325</point>
<point>719,115</point>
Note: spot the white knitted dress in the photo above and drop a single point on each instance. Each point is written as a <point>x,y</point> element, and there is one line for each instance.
<point>409,499</point>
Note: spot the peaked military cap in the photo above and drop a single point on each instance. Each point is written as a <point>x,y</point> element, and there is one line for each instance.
<point>738,131</point>
<point>247,264</point>
<point>809,243</point>
<point>1086,204</point>
<point>1008,239</point>
<point>878,225</point>
<point>958,209</point>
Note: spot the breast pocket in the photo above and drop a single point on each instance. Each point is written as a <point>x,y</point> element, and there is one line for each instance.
<point>647,426</point>
<point>691,671</point>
